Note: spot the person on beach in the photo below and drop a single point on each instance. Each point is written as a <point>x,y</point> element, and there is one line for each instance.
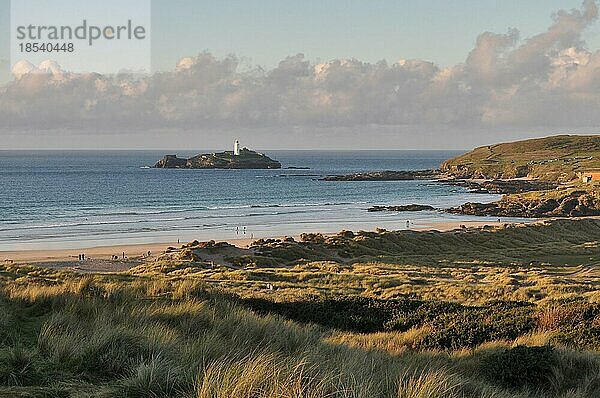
<point>407,224</point>
<point>123,255</point>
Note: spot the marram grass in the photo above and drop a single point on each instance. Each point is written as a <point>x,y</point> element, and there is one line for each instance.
<point>104,337</point>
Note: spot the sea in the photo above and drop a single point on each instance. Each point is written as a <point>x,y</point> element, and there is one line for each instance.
<point>76,199</point>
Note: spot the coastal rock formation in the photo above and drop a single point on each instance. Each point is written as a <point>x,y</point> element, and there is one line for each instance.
<point>171,162</point>
<point>556,158</point>
<point>572,203</point>
<point>386,175</point>
<point>411,207</point>
<point>503,186</point>
<point>247,159</point>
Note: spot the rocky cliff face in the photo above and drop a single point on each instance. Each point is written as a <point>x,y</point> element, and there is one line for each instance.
<point>247,159</point>
<point>171,162</point>
<point>571,203</point>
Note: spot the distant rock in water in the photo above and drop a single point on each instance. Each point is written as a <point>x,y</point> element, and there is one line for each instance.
<point>386,175</point>
<point>502,186</point>
<point>412,207</point>
<point>247,159</point>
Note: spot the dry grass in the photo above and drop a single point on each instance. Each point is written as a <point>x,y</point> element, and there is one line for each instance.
<point>536,263</point>
<point>182,329</point>
<point>109,337</point>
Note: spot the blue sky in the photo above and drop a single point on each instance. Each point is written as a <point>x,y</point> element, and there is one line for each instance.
<point>506,89</point>
<point>266,31</point>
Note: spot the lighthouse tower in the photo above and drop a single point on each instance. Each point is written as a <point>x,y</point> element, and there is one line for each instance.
<point>236,148</point>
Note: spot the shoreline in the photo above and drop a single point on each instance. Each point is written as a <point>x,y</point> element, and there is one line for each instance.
<point>101,258</point>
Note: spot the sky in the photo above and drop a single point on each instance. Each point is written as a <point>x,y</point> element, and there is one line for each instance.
<point>289,74</point>
<point>267,31</point>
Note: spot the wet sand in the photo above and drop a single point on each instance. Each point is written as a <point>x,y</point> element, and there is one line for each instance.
<point>100,258</point>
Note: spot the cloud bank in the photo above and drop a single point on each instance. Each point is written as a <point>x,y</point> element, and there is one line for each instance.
<point>549,80</point>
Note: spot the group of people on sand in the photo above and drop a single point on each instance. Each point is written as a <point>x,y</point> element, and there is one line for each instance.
<point>237,231</point>
<point>82,257</point>
<point>116,257</point>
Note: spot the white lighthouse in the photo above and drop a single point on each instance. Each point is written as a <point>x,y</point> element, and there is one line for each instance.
<point>236,148</point>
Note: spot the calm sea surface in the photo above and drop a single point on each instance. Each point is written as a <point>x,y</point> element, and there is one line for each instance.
<point>70,199</point>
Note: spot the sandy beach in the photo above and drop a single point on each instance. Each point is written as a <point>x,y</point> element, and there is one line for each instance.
<point>116,258</point>
<point>113,258</point>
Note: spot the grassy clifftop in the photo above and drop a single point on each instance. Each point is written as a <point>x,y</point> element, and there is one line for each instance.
<point>552,158</point>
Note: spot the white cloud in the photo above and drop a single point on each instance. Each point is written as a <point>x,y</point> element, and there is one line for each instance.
<point>550,80</point>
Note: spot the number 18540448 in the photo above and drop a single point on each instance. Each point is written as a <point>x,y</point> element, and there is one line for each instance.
<point>46,47</point>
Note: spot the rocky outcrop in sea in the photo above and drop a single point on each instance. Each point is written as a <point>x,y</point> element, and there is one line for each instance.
<point>247,159</point>
<point>399,208</point>
<point>577,203</point>
<point>386,175</point>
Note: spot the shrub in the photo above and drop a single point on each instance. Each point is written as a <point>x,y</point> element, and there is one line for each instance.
<point>520,367</point>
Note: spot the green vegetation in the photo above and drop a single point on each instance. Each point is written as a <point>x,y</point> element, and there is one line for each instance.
<point>534,262</point>
<point>123,336</point>
<point>551,158</point>
<point>483,313</point>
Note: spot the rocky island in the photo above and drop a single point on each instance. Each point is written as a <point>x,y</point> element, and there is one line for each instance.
<point>237,159</point>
